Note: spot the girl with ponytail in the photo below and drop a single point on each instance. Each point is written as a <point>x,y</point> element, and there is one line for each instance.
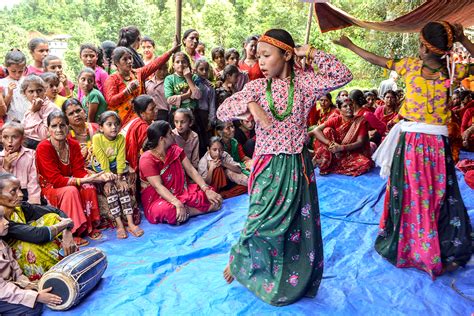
<point>130,37</point>
<point>423,199</point>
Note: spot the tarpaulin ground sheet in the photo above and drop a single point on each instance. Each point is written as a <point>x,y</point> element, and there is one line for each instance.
<point>178,270</point>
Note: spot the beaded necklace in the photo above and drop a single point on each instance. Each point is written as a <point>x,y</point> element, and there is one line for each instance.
<point>291,91</point>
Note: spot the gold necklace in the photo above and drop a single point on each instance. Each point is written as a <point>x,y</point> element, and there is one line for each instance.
<point>63,160</point>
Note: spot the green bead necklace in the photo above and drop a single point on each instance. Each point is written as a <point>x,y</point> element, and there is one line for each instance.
<point>281,117</point>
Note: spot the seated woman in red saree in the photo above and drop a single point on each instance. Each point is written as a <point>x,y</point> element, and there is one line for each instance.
<point>65,182</point>
<point>327,109</point>
<point>79,129</point>
<point>467,129</point>
<point>342,144</point>
<point>388,113</point>
<point>167,195</point>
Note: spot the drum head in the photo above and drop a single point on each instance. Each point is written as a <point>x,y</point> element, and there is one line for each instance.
<point>62,286</point>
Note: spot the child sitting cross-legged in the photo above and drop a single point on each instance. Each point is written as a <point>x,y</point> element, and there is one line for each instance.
<point>108,149</point>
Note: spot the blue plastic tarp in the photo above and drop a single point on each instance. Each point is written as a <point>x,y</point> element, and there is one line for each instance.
<point>178,270</point>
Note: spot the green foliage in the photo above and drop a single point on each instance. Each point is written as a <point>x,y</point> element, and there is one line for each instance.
<point>220,22</point>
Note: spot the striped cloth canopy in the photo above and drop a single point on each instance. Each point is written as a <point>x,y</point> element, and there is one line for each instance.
<point>331,18</point>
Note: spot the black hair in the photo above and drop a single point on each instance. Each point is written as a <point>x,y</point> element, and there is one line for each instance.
<point>464,94</point>
<point>34,42</point>
<point>435,34</point>
<point>128,35</point>
<point>15,125</point>
<point>56,114</point>
<point>31,79</point>
<point>357,97</point>
<point>119,52</point>
<point>182,54</point>
<point>48,58</point>
<point>140,103</point>
<point>217,51</point>
<point>49,77</point>
<point>186,34</point>
<point>228,71</point>
<point>220,126</point>
<point>14,57</point>
<point>369,94</point>
<point>340,92</point>
<point>154,132</point>
<point>186,112</point>
<point>105,115</point>
<point>105,53</point>
<point>215,139</point>
<point>148,39</point>
<point>282,36</point>
<point>4,177</point>
<point>88,70</point>
<point>88,46</point>
<point>68,103</point>
<point>393,93</point>
<point>339,102</point>
<point>329,96</point>
<point>200,61</point>
<point>229,53</point>
<point>248,40</point>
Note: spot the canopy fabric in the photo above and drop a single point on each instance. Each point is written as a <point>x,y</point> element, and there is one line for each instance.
<point>331,18</point>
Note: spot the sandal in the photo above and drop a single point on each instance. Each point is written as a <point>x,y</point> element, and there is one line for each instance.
<point>121,233</point>
<point>137,231</point>
<point>95,234</point>
<point>80,242</point>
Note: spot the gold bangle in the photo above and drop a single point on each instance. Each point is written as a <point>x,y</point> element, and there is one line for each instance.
<point>78,182</point>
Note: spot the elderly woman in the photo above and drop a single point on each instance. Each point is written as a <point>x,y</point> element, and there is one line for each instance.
<point>34,231</point>
<point>64,180</point>
<point>342,144</point>
<point>166,195</point>
<point>127,83</point>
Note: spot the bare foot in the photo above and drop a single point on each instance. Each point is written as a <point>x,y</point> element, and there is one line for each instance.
<point>228,275</point>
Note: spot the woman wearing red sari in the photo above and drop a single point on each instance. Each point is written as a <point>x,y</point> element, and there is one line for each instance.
<point>167,196</point>
<point>249,62</point>
<point>65,182</point>
<point>388,113</point>
<point>342,144</point>
<point>327,109</point>
<point>79,129</point>
<point>127,83</point>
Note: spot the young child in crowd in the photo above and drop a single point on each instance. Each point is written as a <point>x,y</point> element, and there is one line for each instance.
<point>217,55</point>
<point>206,111</point>
<point>16,290</point>
<point>52,88</point>
<point>226,131</point>
<point>36,128</point>
<point>155,87</point>
<point>54,64</point>
<point>108,149</point>
<point>148,49</point>
<point>201,49</point>
<point>15,62</point>
<point>39,49</point>
<point>89,56</point>
<point>230,77</point>
<point>20,161</point>
<point>185,137</point>
<point>182,83</point>
<point>232,57</point>
<point>221,172</point>
<point>93,102</point>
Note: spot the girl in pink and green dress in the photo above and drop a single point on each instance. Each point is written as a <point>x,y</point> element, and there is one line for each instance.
<point>279,255</point>
<point>425,224</point>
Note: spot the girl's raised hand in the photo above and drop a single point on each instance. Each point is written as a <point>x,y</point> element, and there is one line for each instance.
<point>302,50</point>
<point>343,41</point>
<point>176,45</point>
